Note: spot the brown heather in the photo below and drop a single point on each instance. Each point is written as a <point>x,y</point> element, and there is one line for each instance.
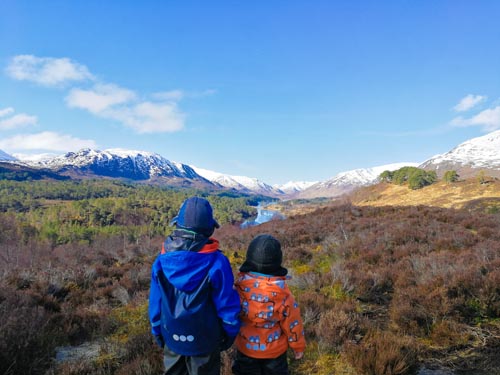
<point>381,289</point>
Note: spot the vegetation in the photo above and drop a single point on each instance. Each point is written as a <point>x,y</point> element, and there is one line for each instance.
<point>465,193</point>
<point>381,289</point>
<point>16,172</point>
<point>74,211</point>
<point>416,178</point>
<point>450,176</point>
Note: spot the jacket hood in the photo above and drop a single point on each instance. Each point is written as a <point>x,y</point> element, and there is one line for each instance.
<point>269,283</point>
<point>186,269</point>
<point>182,239</point>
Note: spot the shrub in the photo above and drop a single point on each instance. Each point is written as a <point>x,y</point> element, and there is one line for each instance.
<point>449,334</point>
<point>420,178</point>
<point>450,176</point>
<point>383,353</point>
<point>28,335</point>
<point>338,326</point>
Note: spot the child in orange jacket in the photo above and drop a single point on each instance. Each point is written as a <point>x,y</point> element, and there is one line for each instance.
<point>270,316</point>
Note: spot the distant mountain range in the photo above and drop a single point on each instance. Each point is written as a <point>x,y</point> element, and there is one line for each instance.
<point>481,153</point>
<point>240,183</point>
<point>119,163</point>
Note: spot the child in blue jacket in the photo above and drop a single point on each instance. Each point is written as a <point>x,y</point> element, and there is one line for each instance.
<point>193,307</point>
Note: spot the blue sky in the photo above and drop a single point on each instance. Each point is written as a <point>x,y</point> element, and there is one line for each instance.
<point>278,90</point>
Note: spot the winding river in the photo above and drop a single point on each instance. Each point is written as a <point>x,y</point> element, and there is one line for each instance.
<point>263,216</point>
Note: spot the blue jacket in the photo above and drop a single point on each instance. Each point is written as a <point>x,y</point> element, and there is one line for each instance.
<point>192,303</point>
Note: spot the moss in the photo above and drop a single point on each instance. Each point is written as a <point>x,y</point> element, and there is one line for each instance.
<point>300,268</point>
<point>335,292</point>
<point>316,362</point>
<point>132,321</point>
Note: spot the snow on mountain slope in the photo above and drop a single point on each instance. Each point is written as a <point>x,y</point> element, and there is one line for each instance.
<point>240,183</point>
<point>481,153</point>
<point>34,158</point>
<point>6,157</point>
<point>345,182</point>
<point>476,153</point>
<point>138,165</point>
<point>293,187</point>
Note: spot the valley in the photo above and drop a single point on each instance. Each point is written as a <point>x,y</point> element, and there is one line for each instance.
<point>388,284</point>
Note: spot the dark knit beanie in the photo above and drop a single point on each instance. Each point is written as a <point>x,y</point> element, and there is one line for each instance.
<point>264,256</point>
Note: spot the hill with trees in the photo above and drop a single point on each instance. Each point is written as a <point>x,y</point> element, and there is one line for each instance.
<point>480,192</point>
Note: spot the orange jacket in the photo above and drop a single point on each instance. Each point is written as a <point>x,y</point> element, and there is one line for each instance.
<point>270,317</point>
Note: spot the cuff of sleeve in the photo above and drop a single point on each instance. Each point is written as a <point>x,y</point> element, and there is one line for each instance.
<point>231,329</point>
<point>156,330</point>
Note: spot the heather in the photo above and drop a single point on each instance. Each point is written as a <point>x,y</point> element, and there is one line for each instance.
<point>382,289</point>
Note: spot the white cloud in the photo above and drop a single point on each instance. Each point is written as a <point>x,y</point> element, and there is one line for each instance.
<point>49,141</point>
<point>174,95</point>
<point>488,119</point>
<point>47,71</point>
<point>119,104</point>
<point>208,92</point>
<point>148,117</point>
<point>6,111</point>
<point>156,117</point>
<point>105,100</point>
<point>100,98</point>
<point>177,95</point>
<point>469,102</point>
<point>18,121</point>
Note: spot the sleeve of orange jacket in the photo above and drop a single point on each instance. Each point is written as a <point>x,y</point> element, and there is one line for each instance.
<point>292,325</point>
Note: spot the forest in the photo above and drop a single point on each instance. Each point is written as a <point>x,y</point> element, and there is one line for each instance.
<point>382,290</point>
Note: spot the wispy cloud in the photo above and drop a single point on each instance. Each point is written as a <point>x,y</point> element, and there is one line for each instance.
<point>47,141</point>
<point>489,120</point>
<point>113,102</point>
<point>98,99</point>
<point>18,121</point>
<point>47,71</point>
<point>8,122</point>
<point>468,102</point>
<point>176,95</point>
<point>6,111</point>
<point>150,117</point>
<point>158,113</point>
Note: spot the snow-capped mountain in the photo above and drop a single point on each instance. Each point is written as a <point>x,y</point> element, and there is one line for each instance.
<point>481,153</point>
<point>34,158</point>
<point>294,187</point>
<point>345,182</point>
<point>6,157</point>
<point>131,164</point>
<point>240,183</point>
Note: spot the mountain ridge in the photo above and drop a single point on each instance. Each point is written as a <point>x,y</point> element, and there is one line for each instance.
<point>467,158</point>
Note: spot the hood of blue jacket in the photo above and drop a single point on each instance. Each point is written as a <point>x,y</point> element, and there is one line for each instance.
<point>186,269</point>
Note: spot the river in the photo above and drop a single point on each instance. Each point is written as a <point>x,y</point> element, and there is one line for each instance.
<point>263,216</point>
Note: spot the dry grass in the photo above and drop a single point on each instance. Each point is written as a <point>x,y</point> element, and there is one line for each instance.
<point>441,194</point>
<point>467,193</point>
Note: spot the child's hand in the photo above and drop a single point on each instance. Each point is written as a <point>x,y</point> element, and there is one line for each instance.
<point>298,355</point>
